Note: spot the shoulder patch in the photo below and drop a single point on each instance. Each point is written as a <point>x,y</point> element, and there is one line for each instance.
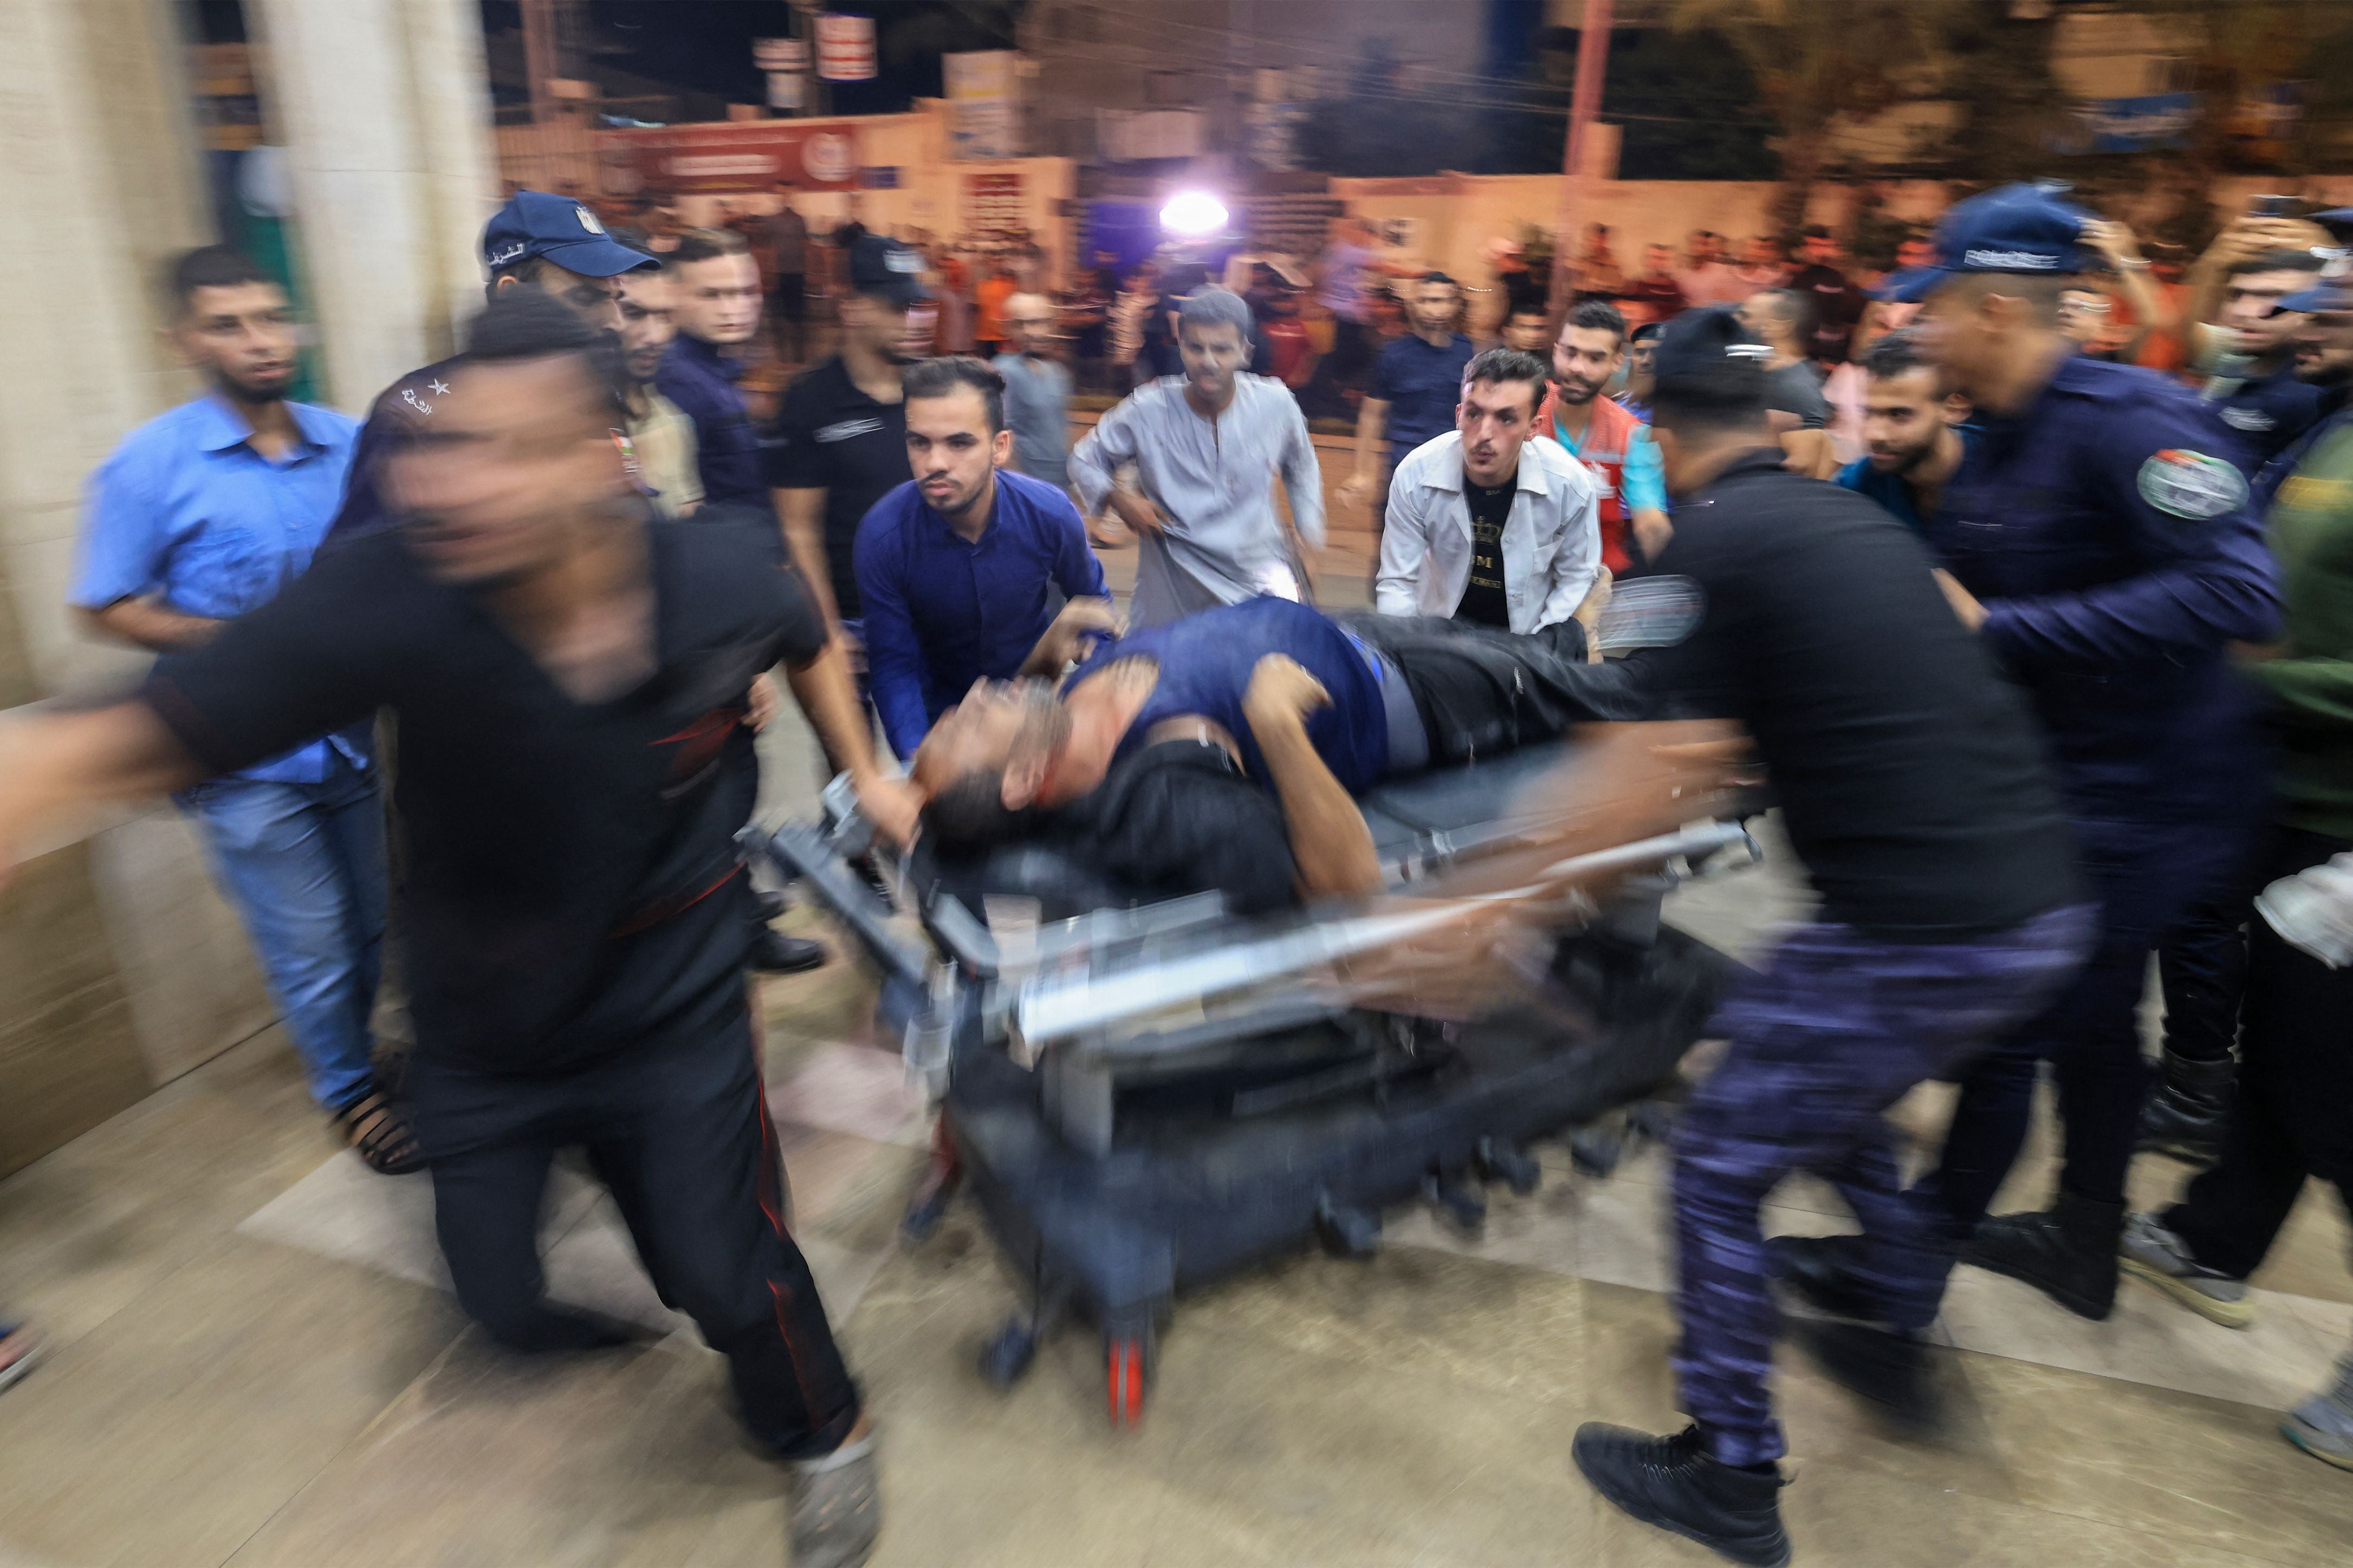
<point>2249,419</point>
<point>2191,484</point>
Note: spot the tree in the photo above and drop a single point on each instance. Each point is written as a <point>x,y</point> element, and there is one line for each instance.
<point>1817,61</point>
<point>2010,112</point>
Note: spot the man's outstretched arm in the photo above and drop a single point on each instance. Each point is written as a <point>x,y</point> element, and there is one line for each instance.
<point>54,764</point>
<point>1330,843</point>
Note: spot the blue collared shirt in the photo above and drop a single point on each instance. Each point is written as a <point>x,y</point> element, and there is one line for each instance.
<point>701,381</point>
<point>1421,382</point>
<point>942,611</point>
<point>187,510</point>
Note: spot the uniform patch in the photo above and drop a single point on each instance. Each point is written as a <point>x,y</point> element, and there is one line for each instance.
<point>2191,484</point>
<point>2249,419</point>
<point>2302,492</point>
<point>587,220</point>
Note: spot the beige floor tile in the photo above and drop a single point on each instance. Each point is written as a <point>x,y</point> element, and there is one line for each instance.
<point>172,1431</point>
<point>2148,1339</point>
<point>87,1229</point>
<point>2200,1472</point>
<point>1394,1402</point>
<point>626,1456</point>
<point>1843,1518</point>
<point>2313,1254</point>
<point>854,1089</point>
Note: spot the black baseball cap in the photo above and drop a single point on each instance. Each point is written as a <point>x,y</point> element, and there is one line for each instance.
<point>561,228</point>
<point>2031,229</point>
<point>889,269</point>
<point>1701,343</point>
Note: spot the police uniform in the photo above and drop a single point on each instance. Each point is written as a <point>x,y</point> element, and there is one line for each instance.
<point>2109,534</point>
<point>2265,413</point>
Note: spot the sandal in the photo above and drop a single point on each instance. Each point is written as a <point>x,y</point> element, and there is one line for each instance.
<point>380,1132</point>
<point>20,1347</point>
<point>835,1505</point>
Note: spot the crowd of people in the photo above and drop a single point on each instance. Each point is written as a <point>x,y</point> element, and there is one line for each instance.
<point>2044,655</point>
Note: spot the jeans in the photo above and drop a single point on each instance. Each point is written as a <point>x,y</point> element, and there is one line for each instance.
<point>303,864</point>
<point>1833,1030</point>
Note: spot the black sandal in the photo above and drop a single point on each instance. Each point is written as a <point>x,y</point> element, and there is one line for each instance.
<point>380,1132</point>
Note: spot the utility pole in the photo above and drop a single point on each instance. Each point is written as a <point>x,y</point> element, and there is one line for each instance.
<point>542,59</point>
<point>1592,60</point>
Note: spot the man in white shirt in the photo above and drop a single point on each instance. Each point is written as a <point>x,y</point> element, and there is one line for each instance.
<point>1491,522</point>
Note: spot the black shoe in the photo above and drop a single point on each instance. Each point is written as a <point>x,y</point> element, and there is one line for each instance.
<point>1823,1271</point>
<point>1674,1483</point>
<point>2186,1116</point>
<point>774,953</point>
<point>1888,1368</point>
<point>768,904</point>
<point>2068,1253</point>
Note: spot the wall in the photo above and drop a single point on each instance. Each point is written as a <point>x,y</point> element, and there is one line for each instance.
<point>120,968</point>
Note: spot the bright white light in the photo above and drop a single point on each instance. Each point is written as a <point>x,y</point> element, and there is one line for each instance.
<point>1194,214</point>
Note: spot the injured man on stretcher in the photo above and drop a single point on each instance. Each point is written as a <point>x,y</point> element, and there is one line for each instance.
<point>1223,751</point>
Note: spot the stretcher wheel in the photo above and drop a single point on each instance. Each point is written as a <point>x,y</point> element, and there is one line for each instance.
<point>1127,1373</point>
<point>1007,1355</point>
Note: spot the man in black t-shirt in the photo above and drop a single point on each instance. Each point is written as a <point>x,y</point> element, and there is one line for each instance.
<point>840,443</point>
<point>569,676</point>
<point>1913,789</point>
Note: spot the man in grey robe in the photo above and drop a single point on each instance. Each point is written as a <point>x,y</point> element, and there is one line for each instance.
<point>1207,446</point>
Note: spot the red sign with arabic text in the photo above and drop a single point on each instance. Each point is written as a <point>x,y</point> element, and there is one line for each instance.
<point>752,155</point>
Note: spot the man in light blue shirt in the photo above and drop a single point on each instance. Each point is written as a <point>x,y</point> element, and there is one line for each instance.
<point>1037,391</point>
<point>204,514</point>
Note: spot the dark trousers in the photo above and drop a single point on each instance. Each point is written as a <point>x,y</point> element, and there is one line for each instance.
<point>2203,971</point>
<point>1837,1029</point>
<point>680,1133</point>
<point>788,314</point>
<point>1481,690</point>
<point>2144,876</point>
<point>2293,1117</point>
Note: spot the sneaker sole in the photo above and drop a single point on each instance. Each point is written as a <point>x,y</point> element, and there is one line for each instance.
<point>1765,1557</point>
<point>2296,1432</point>
<point>23,1363</point>
<point>2230,1314</point>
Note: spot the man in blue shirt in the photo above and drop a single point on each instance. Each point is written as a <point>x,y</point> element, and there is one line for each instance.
<point>717,310</point>
<point>202,515</point>
<point>1417,381</point>
<point>960,567</point>
<point>2255,388</point>
<point>1910,425</point>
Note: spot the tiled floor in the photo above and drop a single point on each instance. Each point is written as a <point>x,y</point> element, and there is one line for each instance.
<point>256,1365</point>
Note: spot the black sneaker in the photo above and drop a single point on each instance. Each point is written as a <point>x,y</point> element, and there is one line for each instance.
<point>1824,1270</point>
<point>1674,1483</point>
<point>1889,1368</point>
<point>774,953</point>
<point>2067,1252</point>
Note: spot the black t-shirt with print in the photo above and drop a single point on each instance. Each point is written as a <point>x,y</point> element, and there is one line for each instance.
<point>573,885</point>
<point>1485,601</point>
<point>830,436</point>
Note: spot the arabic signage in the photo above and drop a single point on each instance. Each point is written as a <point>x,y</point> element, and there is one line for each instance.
<point>748,155</point>
<point>845,47</point>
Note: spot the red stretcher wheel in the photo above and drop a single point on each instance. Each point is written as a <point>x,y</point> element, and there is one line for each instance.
<point>1123,1379</point>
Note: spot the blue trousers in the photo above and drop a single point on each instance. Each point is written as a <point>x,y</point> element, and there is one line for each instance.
<point>303,864</point>
<point>1835,1030</point>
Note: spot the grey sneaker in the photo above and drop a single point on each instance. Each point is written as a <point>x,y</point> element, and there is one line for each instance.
<point>835,1504</point>
<point>2161,1258</point>
<point>2322,1425</point>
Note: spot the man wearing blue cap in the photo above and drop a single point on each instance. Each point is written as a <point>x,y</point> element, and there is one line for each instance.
<point>2101,543</point>
<point>549,242</point>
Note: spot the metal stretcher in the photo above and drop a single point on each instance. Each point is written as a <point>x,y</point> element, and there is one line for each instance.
<point>1144,1099</point>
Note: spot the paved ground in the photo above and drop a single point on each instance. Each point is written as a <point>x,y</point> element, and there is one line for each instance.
<point>257,1365</point>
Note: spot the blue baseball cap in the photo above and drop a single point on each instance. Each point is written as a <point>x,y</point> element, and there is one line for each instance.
<point>2333,295</point>
<point>2031,230</point>
<point>561,228</point>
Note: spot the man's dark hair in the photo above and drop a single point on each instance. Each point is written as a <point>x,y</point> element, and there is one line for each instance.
<point>520,325</point>
<point>1597,315</point>
<point>708,244</point>
<point>208,267</point>
<point>1792,309</point>
<point>969,813</point>
<point>1501,367</point>
<point>1647,332</point>
<point>1814,231</point>
<point>1898,354</point>
<point>2276,261</point>
<point>1708,375</point>
<point>940,376</point>
<point>1205,309</point>
<point>1434,276</point>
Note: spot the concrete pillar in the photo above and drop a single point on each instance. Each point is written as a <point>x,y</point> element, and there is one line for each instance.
<point>384,107</point>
